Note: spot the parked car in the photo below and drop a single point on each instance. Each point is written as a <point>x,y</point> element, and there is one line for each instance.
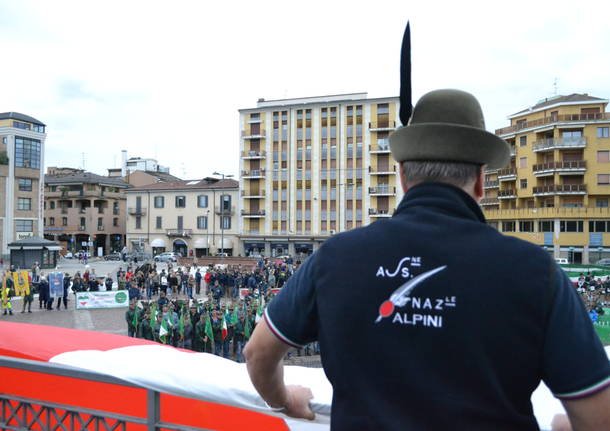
<point>221,255</point>
<point>113,256</point>
<point>603,262</point>
<point>562,260</point>
<point>68,255</point>
<point>167,257</point>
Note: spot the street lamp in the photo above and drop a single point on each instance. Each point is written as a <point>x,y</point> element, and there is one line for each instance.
<point>222,211</point>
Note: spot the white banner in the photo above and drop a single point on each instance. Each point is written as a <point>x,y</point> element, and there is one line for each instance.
<point>110,299</point>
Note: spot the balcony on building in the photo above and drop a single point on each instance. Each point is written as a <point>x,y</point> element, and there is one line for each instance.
<point>255,120</point>
<point>382,126</point>
<point>179,232</point>
<point>250,194</point>
<point>560,189</point>
<point>248,134</point>
<point>513,151</point>
<point>553,119</point>
<point>253,213</point>
<point>507,194</point>
<point>491,184</point>
<point>376,212</point>
<point>382,170</point>
<point>559,144</point>
<point>253,174</point>
<point>381,147</point>
<point>572,167</point>
<point>507,174</point>
<point>100,227</point>
<point>224,211</point>
<point>383,190</point>
<point>136,211</point>
<point>250,155</point>
<point>490,201</point>
<point>81,228</point>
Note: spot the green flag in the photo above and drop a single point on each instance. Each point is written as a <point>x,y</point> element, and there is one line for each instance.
<point>134,319</point>
<point>181,325</point>
<point>163,331</point>
<point>153,315</point>
<point>247,327</point>
<point>208,328</point>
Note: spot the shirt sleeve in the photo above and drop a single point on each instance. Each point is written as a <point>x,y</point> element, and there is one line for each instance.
<point>292,315</point>
<point>575,363</point>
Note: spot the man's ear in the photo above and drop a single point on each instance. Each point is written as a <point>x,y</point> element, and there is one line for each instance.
<point>403,181</point>
<point>478,184</point>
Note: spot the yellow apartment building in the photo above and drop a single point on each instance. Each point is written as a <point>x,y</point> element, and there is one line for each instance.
<point>556,189</point>
<point>312,167</point>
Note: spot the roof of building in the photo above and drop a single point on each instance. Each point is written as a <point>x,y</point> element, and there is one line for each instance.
<point>558,100</point>
<point>34,241</point>
<point>203,184</point>
<point>163,176</point>
<point>85,177</point>
<point>20,117</point>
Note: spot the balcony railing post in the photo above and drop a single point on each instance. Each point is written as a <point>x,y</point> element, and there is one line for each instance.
<point>153,407</point>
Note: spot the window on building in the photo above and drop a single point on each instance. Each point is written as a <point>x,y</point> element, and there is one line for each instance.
<point>159,222</point>
<point>603,156</point>
<point>138,222</point>
<point>601,203</point>
<point>602,132</point>
<point>603,179</point>
<point>159,202</point>
<point>25,184</point>
<point>52,205</point>
<point>64,221</point>
<point>51,221</point>
<point>523,162</point>
<point>526,226</point>
<point>508,226</point>
<point>599,226</point>
<point>226,222</point>
<point>383,108</point>
<point>83,223</point>
<point>115,208</point>
<point>202,201</point>
<point>545,226</point>
<point>225,202</point>
<point>522,141</point>
<point>21,125</point>
<point>24,225</point>
<point>24,204</point>
<point>571,226</point>
<point>27,153</point>
<point>115,222</point>
<point>100,223</point>
<point>180,201</point>
<point>202,222</point>
<point>523,183</point>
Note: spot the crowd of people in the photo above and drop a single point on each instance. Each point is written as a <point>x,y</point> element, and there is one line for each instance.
<point>595,294</point>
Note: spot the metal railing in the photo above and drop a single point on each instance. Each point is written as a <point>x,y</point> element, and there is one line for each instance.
<point>251,193</point>
<point>602,116</point>
<point>253,173</point>
<point>253,213</point>
<point>551,166</point>
<point>249,134</point>
<point>490,201</point>
<point>382,190</point>
<point>179,232</point>
<point>253,154</point>
<point>382,170</point>
<point>560,188</point>
<point>507,193</point>
<point>491,184</point>
<point>376,211</point>
<point>507,172</point>
<point>136,211</point>
<point>19,413</point>
<point>559,143</point>
<point>382,125</point>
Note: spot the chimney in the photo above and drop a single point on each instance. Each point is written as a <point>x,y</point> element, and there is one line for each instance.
<point>123,163</point>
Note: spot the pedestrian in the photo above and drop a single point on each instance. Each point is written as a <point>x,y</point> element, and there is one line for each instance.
<point>198,278</point>
<point>108,283</point>
<point>64,298</point>
<point>132,317</point>
<point>7,293</point>
<point>413,292</point>
<point>44,293</point>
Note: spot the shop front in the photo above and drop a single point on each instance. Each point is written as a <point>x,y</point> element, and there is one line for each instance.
<point>158,246</point>
<point>25,252</point>
<point>180,246</point>
<point>303,249</point>
<point>279,249</point>
<point>254,249</point>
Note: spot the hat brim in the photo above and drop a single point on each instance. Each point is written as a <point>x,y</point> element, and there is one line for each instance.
<point>450,143</point>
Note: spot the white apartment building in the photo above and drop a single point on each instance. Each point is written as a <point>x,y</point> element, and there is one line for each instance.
<point>194,218</point>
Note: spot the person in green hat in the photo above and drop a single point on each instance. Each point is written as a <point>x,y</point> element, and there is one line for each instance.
<point>413,292</point>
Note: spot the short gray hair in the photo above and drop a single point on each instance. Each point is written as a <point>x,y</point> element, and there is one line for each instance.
<point>457,173</point>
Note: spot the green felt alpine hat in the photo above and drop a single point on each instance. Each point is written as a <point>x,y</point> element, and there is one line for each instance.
<point>448,125</point>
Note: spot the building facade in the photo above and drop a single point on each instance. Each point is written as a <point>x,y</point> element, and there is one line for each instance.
<point>194,218</point>
<point>312,167</point>
<point>555,192</point>
<point>84,211</point>
<point>21,170</point>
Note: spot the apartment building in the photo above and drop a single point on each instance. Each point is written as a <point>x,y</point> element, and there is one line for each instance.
<point>84,211</point>
<point>194,218</point>
<point>21,169</point>
<point>556,189</point>
<point>312,167</point>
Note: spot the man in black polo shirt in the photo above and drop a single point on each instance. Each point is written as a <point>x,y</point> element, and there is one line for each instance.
<point>439,347</point>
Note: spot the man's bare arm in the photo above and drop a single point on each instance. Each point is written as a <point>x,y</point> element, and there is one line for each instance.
<point>590,413</point>
<point>264,354</point>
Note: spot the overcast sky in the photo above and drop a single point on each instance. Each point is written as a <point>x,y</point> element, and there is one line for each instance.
<point>165,79</point>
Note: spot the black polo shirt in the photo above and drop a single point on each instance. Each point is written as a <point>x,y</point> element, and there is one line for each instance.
<point>434,320</point>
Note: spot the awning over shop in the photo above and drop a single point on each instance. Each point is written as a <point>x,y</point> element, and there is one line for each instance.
<point>157,243</point>
<point>278,245</point>
<point>201,243</point>
<point>250,245</point>
<point>227,243</point>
